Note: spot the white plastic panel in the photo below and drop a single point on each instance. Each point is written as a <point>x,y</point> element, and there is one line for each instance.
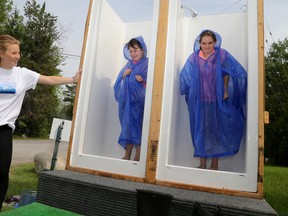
<point>176,161</point>
<point>65,132</point>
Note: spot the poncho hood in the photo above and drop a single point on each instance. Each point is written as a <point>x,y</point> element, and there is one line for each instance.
<point>217,44</point>
<point>126,50</point>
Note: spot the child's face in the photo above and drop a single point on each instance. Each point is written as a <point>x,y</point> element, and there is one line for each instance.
<point>136,53</point>
<point>207,45</point>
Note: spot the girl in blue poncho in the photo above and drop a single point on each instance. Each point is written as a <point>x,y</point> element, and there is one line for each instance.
<point>129,89</point>
<point>214,84</point>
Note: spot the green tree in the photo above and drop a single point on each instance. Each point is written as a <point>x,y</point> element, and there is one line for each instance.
<point>5,8</point>
<point>40,53</point>
<point>276,132</point>
<point>14,25</point>
<point>68,102</point>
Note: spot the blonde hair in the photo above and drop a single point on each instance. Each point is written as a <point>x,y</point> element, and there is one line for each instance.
<point>6,40</point>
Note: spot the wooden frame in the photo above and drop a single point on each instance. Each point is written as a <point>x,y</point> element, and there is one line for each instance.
<point>152,151</point>
<point>261,99</point>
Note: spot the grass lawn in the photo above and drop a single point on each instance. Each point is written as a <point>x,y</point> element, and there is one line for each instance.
<point>23,177</point>
<point>276,188</point>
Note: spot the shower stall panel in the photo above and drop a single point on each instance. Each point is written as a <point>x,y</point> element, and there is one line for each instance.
<point>176,163</point>
<point>96,130</point>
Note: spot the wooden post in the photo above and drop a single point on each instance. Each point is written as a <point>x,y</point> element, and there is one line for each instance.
<point>155,118</point>
<point>79,81</point>
<point>261,98</point>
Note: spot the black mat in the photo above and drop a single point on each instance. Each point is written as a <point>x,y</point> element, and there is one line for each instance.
<point>96,195</point>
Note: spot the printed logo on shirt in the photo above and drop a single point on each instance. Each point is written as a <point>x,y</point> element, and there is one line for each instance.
<point>7,87</point>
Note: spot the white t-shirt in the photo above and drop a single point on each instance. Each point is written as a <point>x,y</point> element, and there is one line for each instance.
<point>13,85</point>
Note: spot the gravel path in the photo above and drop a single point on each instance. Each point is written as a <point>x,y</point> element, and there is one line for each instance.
<point>24,150</point>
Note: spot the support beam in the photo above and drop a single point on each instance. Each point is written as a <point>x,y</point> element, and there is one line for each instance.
<point>155,119</point>
<point>261,98</point>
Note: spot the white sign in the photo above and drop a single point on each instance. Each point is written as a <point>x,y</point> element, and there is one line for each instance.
<point>65,134</point>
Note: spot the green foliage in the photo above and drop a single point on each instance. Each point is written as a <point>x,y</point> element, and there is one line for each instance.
<point>5,8</point>
<point>14,25</point>
<point>38,110</point>
<point>276,132</point>
<point>39,51</point>
<point>68,102</point>
<point>276,188</point>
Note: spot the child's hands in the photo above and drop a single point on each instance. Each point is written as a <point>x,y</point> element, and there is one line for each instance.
<point>127,72</point>
<point>226,95</point>
<point>139,78</point>
<point>226,82</point>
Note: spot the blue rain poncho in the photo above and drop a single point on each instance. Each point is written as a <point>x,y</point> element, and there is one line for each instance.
<point>130,95</point>
<point>216,125</point>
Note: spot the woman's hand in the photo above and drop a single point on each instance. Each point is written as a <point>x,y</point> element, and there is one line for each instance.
<point>77,75</point>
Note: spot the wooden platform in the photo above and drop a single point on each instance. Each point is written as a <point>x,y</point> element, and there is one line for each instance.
<point>87,194</point>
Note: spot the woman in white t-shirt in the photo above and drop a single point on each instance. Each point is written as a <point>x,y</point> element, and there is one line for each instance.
<point>14,82</point>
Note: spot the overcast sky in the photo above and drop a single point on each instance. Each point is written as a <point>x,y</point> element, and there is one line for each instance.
<point>72,15</point>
